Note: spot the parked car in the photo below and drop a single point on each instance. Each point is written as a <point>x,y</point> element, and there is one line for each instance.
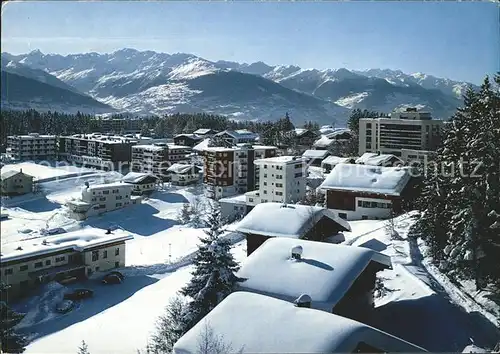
<point>65,306</point>
<point>79,294</point>
<point>113,278</point>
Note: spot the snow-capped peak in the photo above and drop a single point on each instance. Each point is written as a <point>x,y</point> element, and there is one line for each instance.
<point>191,69</point>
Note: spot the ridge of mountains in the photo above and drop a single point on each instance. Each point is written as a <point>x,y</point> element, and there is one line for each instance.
<point>147,82</point>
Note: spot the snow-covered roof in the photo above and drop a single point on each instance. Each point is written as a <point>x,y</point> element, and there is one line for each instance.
<point>181,168</point>
<point>202,145</point>
<point>324,141</point>
<point>252,323</point>
<point>239,134</point>
<point>279,160</point>
<point>238,199</point>
<point>338,131</point>
<point>109,185</point>
<point>334,160</point>
<point>151,147</point>
<point>203,131</point>
<point>366,178</point>
<point>12,173</point>
<point>264,147</point>
<point>279,220</point>
<point>325,271</point>
<point>32,136</point>
<point>174,146</point>
<point>76,240</point>
<point>315,154</point>
<point>374,159</point>
<point>189,135</point>
<point>136,177</point>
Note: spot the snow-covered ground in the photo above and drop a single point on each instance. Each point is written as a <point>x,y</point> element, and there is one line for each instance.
<point>416,305</point>
<point>46,171</point>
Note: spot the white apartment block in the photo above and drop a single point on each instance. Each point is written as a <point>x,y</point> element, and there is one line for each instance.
<point>282,179</point>
<point>32,147</point>
<point>158,157</point>
<point>412,130</point>
<point>101,198</point>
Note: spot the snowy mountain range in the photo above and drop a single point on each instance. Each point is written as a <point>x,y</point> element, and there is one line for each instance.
<point>147,82</point>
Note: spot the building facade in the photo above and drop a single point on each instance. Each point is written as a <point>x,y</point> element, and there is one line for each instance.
<point>282,179</point>
<point>27,264</point>
<point>157,158</point>
<point>101,198</point>
<point>32,147</point>
<point>403,130</point>
<point>230,170</point>
<point>181,174</point>
<point>97,150</point>
<point>16,183</point>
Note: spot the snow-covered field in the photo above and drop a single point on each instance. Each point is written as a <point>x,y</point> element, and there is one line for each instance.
<point>415,304</point>
<point>46,171</point>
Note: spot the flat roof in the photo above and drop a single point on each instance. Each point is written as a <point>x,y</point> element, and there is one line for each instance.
<point>280,160</point>
<point>238,199</point>
<point>109,185</point>
<point>315,154</point>
<point>325,272</point>
<point>253,323</point>
<point>75,240</point>
<point>367,178</point>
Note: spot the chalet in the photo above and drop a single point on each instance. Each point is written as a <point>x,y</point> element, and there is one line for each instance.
<point>376,159</point>
<point>331,161</point>
<point>206,133</point>
<point>26,264</point>
<point>187,139</point>
<point>355,192</point>
<point>237,136</point>
<point>233,208</point>
<point>304,137</point>
<point>268,220</point>
<point>143,183</point>
<point>315,157</point>
<point>330,140</point>
<point>254,323</point>
<point>16,182</point>
<point>183,174</point>
<point>339,279</point>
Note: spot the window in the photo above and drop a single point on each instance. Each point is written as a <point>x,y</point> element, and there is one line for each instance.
<point>118,197</point>
<point>265,183</point>
<point>265,175</point>
<point>96,269</point>
<point>102,206</point>
<point>105,254</point>
<point>105,192</point>
<point>23,268</point>
<point>265,191</point>
<point>48,262</point>
<point>95,256</point>
<point>236,208</point>
<point>8,271</point>
<point>279,193</point>
<point>299,174</point>
<point>60,259</point>
<point>38,264</point>
<point>117,251</point>
<point>265,166</point>
<point>299,165</point>
<point>343,216</point>
<point>279,185</point>
<point>250,199</point>
<point>364,217</point>
<point>118,205</point>
<point>102,199</point>
<point>117,264</point>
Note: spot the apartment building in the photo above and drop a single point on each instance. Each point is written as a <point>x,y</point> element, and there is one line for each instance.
<point>101,198</point>
<point>119,125</point>
<point>26,264</point>
<point>32,147</point>
<point>230,170</point>
<point>411,129</point>
<point>98,150</point>
<point>239,136</point>
<point>281,179</point>
<point>157,158</point>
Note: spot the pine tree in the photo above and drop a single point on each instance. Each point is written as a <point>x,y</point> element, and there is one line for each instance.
<point>213,278</point>
<point>83,348</point>
<point>184,216</point>
<point>10,342</point>
<point>169,327</point>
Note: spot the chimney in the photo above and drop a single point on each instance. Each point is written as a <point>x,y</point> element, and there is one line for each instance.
<point>21,170</point>
<point>303,300</point>
<point>87,184</point>
<point>297,252</point>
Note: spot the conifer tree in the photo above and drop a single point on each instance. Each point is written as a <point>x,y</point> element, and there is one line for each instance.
<point>213,277</point>
<point>10,342</point>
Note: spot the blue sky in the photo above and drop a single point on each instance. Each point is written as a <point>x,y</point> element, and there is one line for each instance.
<point>449,39</point>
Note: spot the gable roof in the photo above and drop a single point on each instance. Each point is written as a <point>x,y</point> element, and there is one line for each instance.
<point>9,174</point>
<point>366,178</point>
<point>189,135</point>
<point>374,159</point>
<point>253,323</point>
<point>239,134</point>
<point>315,154</point>
<point>325,272</point>
<point>201,145</point>
<point>181,168</point>
<point>137,177</point>
<point>203,131</point>
<point>334,160</point>
<point>279,220</point>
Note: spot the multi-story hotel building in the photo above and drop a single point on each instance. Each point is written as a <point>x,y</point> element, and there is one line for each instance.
<point>32,147</point>
<point>282,179</point>
<point>410,130</point>
<point>26,264</point>
<point>157,158</point>
<point>230,170</point>
<point>97,150</point>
